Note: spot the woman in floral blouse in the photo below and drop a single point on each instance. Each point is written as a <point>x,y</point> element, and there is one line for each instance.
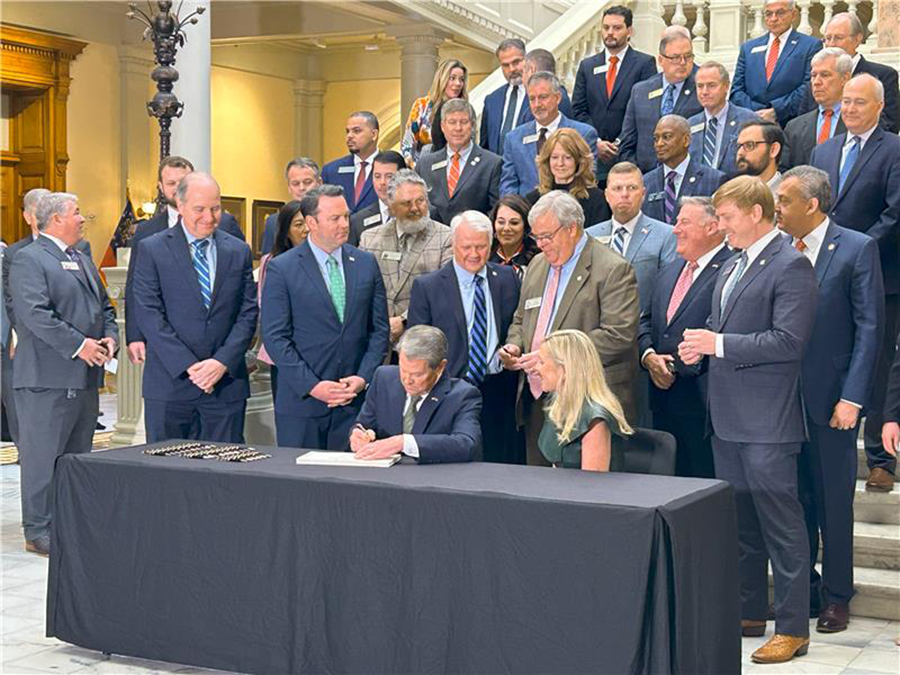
<point>424,121</point>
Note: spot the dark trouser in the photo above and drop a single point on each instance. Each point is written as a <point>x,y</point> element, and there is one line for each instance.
<point>694,456</point>
<point>533,416</point>
<point>329,432</point>
<point>9,399</point>
<point>503,441</point>
<point>827,484</point>
<point>770,520</point>
<point>876,455</point>
<point>53,422</point>
<point>273,380</point>
<point>203,419</point>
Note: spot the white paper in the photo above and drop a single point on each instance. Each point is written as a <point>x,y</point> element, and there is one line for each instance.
<point>324,458</point>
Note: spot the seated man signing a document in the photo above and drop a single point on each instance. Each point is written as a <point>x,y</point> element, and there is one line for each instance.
<point>416,409</point>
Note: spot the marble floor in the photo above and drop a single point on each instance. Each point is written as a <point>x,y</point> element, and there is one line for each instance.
<point>866,648</point>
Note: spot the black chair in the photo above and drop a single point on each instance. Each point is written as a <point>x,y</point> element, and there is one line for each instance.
<point>648,451</point>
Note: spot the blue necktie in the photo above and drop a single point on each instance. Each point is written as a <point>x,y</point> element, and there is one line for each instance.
<point>709,142</point>
<point>733,280</point>
<point>618,240</point>
<point>478,336</point>
<point>671,199</point>
<point>849,161</point>
<point>668,102</point>
<point>201,266</point>
<point>509,119</point>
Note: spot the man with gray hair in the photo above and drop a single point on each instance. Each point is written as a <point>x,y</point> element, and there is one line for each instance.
<point>575,282</point>
<point>838,370</point>
<point>670,92</point>
<point>409,245</point>
<point>831,70</point>
<point>473,301</point>
<point>302,175</point>
<point>506,107</point>
<point>67,333</point>
<point>417,409</point>
<point>462,176</point>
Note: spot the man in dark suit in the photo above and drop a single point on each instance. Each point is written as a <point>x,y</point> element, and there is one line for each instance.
<point>506,107</point>
<point>678,174</point>
<point>670,92</point>
<point>170,173</point>
<point>543,61</point>
<point>681,299</point>
<point>845,31</point>
<point>864,168</point>
<point>831,70</point>
<point>604,82</point>
<point>325,325</point>
<point>463,176</point>
<point>473,301</point>
<point>759,146</point>
<point>763,311</point>
<point>837,373</point>
<point>519,174</point>
<point>714,131</point>
<point>302,175</point>
<point>196,305</point>
<point>890,430</point>
<point>384,166</point>
<point>353,172</point>
<point>772,71</point>
<point>67,333</point>
<point>417,408</point>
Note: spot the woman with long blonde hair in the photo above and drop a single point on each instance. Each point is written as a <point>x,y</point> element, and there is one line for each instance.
<point>450,81</point>
<point>583,414</point>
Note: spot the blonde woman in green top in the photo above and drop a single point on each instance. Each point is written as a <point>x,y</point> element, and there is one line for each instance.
<point>583,414</point>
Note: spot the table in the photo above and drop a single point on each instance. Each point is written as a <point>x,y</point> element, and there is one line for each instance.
<point>269,567</point>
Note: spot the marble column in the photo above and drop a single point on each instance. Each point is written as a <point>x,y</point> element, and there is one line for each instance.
<point>727,30</point>
<point>191,137</point>
<point>309,106</point>
<point>887,27</point>
<point>140,133</point>
<point>418,62</point>
<point>648,25</point>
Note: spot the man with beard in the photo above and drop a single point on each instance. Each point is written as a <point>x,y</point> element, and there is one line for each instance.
<point>171,170</point>
<point>506,107</point>
<point>353,172</point>
<point>759,146</point>
<point>302,175</point>
<point>407,246</point>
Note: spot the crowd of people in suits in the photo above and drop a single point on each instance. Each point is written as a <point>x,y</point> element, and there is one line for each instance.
<point>716,259</point>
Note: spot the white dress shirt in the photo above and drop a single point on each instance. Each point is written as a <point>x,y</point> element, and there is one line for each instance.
<point>357,165</point>
<point>553,126</point>
<point>813,241</point>
<point>864,138</point>
<point>410,447</point>
<point>521,97</point>
<point>173,214</point>
<point>463,157</point>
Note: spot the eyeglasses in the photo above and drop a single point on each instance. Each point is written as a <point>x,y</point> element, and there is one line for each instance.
<point>539,238</point>
<point>750,146</point>
<point>678,58</point>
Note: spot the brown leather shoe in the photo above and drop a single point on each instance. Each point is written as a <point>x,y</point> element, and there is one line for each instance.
<point>750,628</point>
<point>781,649</point>
<point>834,619</point>
<point>880,480</point>
<point>41,546</point>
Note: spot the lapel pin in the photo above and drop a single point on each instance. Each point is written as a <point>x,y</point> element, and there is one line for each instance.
<point>578,278</point>
<point>733,122</point>
<point>715,266</point>
<point>687,92</point>
<point>493,273</point>
<point>831,246</point>
<point>644,230</point>
<point>434,399</point>
<point>762,262</point>
<point>352,259</point>
<point>693,179</point>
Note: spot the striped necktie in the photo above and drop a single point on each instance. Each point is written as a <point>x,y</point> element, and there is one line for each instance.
<point>336,286</point>
<point>618,240</point>
<point>825,131</point>
<point>709,142</point>
<point>478,336</point>
<point>201,266</point>
<point>453,175</point>
<point>670,199</point>
<point>772,58</point>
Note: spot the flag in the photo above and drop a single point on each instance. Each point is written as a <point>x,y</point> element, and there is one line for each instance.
<point>120,237</point>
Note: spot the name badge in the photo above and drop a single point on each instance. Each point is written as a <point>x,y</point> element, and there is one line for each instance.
<point>656,196</point>
<point>698,127</point>
<point>756,50</point>
<point>372,219</point>
<point>532,303</point>
<point>391,255</point>
<point>69,265</point>
<point>439,165</point>
<point>601,69</point>
<point>530,139</point>
<point>345,169</point>
<point>656,93</point>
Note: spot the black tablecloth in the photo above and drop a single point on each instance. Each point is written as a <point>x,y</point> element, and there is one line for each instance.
<point>270,567</point>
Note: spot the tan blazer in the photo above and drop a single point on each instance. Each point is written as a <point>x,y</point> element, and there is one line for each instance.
<point>601,299</point>
<point>429,251</point>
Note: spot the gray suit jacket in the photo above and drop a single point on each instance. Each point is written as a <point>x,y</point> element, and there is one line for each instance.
<point>651,248</point>
<point>800,134</point>
<point>57,308</point>
<point>754,391</point>
<point>478,187</point>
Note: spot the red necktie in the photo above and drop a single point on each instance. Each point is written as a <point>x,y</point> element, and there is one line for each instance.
<point>682,286</point>
<point>453,175</point>
<point>611,75</point>
<point>772,58</point>
<point>825,131</point>
<point>800,246</point>
<point>360,182</point>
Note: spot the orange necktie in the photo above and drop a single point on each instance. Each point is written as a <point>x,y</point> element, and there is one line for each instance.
<point>453,175</point>
<point>772,58</point>
<point>825,131</point>
<point>800,246</point>
<point>611,75</point>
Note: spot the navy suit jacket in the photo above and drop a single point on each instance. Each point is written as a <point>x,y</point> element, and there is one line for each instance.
<point>303,334</point>
<point>843,351</point>
<point>687,394</point>
<point>340,172</point>
<point>447,426</point>
<point>725,162</point>
<point>786,91</point>
<point>698,181</point>
<point>869,200</point>
<point>492,117</point>
<point>519,174</point>
<point>179,330</point>
<point>147,228</point>
<point>269,232</point>
<point>591,104</point>
<point>754,391</point>
<point>642,114</point>
<point>436,301</point>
